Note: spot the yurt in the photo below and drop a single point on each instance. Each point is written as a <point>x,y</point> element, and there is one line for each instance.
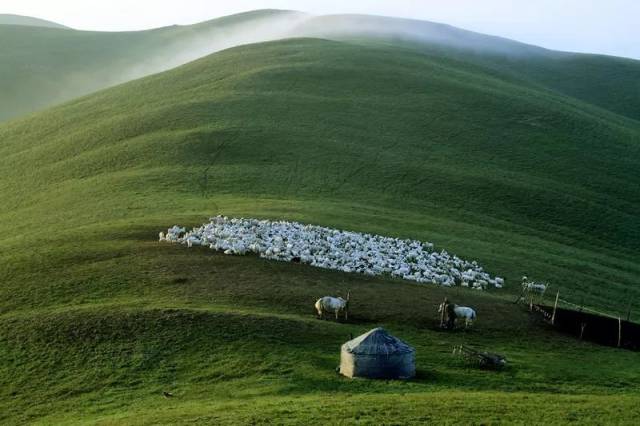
<point>377,355</point>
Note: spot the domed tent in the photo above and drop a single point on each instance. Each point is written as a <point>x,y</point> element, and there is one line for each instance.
<point>377,355</point>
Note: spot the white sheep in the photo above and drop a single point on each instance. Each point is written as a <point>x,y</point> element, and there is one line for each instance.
<point>533,287</point>
<point>334,249</point>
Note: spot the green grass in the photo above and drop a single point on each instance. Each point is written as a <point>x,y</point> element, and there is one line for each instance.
<point>97,319</point>
<point>608,82</point>
<point>42,66</point>
<point>235,340</point>
<point>516,177</point>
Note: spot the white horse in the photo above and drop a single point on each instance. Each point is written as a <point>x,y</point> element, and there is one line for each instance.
<point>336,305</point>
<point>465,312</point>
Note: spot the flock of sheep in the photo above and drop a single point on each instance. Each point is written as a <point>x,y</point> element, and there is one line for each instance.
<point>335,249</point>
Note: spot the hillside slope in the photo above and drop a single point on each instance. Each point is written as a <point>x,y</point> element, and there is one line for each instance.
<point>608,82</point>
<point>500,170</point>
<point>9,19</point>
<point>40,67</point>
<point>97,319</point>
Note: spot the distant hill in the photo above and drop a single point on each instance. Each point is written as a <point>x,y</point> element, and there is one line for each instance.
<point>41,67</point>
<point>609,82</point>
<point>7,19</point>
<point>425,32</point>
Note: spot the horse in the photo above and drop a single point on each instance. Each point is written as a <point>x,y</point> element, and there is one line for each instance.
<point>333,304</point>
<point>454,311</point>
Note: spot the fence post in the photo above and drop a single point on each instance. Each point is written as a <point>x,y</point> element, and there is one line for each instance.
<point>582,327</point>
<point>619,331</point>
<point>629,311</point>
<point>555,306</point>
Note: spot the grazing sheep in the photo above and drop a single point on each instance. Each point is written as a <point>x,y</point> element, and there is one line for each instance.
<point>533,287</point>
<point>335,249</point>
<point>333,304</point>
<point>539,288</point>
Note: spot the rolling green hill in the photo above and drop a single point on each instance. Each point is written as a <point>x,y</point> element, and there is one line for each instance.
<point>8,19</point>
<point>98,319</point>
<point>605,81</point>
<point>40,67</point>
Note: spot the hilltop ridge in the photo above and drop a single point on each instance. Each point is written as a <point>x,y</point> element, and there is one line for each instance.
<point>42,67</point>
<point>9,19</point>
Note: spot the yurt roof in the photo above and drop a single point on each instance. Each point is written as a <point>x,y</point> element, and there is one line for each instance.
<point>377,342</point>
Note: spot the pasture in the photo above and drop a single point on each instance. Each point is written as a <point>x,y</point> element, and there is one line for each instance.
<point>236,339</point>
<point>98,319</point>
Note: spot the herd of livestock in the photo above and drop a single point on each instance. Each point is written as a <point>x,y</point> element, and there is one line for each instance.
<point>348,252</point>
<point>335,249</point>
<point>344,251</point>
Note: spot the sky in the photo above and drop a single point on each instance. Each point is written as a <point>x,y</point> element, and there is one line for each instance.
<point>597,26</point>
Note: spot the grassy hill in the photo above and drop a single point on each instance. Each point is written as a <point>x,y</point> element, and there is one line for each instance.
<point>8,19</point>
<point>40,67</point>
<point>608,82</point>
<point>97,319</point>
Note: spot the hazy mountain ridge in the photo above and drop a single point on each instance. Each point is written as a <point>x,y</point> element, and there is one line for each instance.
<point>9,19</point>
<point>41,68</point>
<point>609,82</point>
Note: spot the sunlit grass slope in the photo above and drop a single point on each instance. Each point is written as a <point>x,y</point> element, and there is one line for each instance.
<point>97,319</point>
<point>522,178</point>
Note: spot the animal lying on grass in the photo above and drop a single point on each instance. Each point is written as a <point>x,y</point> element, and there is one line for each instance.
<point>337,305</point>
<point>454,312</point>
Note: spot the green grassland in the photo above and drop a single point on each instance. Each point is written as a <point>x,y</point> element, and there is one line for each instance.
<point>97,319</point>
<point>40,67</point>
<point>609,82</point>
